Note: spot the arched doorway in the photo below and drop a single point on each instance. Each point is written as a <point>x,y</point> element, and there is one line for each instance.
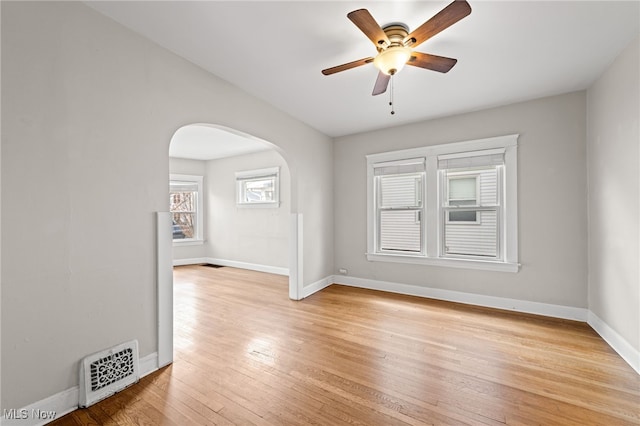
<point>223,158</point>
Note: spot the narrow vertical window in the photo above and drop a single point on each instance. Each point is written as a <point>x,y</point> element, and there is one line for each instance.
<point>400,206</point>
<point>185,205</point>
<point>471,202</point>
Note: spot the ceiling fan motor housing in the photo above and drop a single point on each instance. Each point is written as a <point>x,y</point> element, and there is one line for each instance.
<point>396,32</point>
<point>392,58</point>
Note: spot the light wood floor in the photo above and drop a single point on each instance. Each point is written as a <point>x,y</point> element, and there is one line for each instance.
<point>245,354</point>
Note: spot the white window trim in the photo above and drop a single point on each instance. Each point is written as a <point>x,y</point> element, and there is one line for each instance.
<point>256,174</point>
<point>509,238</point>
<point>199,240</point>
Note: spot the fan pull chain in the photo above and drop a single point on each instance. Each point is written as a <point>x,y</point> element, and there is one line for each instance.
<point>391,96</point>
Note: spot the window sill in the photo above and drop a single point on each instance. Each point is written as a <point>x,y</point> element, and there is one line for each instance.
<point>270,205</point>
<point>484,265</point>
<point>191,242</point>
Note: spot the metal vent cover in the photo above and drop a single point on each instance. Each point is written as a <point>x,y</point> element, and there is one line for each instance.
<point>104,373</point>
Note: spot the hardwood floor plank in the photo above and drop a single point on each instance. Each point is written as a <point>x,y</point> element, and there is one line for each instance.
<point>247,355</point>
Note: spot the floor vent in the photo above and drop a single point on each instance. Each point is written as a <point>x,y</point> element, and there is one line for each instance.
<point>211,265</point>
<point>107,372</point>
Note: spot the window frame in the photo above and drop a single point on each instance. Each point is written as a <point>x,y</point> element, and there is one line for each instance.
<point>199,213</point>
<point>253,175</point>
<point>433,224</point>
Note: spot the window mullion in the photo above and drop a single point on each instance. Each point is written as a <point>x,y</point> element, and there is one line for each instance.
<point>431,195</point>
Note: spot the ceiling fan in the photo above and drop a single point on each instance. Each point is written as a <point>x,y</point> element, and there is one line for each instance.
<point>394,43</point>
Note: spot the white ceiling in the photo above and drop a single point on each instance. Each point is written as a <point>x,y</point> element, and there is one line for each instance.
<point>205,142</point>
<point>507,52</point>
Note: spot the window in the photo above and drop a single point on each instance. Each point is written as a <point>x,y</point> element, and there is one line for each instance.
<point>451,205</point>
<point>399,206</point>
<point>185,205</point>
<point>258,187</point>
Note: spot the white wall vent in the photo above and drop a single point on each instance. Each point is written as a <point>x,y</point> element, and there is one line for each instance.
<point>104,373</point>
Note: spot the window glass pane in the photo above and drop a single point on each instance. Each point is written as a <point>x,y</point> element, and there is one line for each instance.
<point>463,216</point>
<point>259,190</point>
<point>400,230</point>
<point>182,201</point>
<point>185,199</point>
<point>183,225</point>
<point>472,239</point>
<point>462,189</point>
<point>400,190</point>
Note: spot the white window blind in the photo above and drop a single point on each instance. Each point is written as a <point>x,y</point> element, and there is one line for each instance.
<point>181,186</point>
<point>397,191</point>
<point>399,210</point>
<point>465,160</point>
<point>413,165</point>
<point>400,230</point>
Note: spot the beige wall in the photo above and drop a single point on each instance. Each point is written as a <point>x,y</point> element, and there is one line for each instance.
<point>88,111</point>
<point>614,194</point>
<point>551,198</point>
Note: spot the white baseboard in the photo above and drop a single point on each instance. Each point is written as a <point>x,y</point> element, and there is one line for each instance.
<point>148,364</point>
<point>251,266</point>
<point>44,411</point>
<point>232,263</point>
<point>317,286</point>
<point>524,306</point>
<point>192,261</point>
<point>617,342</point>
<point>55,406</point>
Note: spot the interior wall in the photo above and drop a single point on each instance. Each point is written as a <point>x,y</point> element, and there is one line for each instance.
<point>88,112</point>
<point>614,195</point>
<point>184,166</point>
<point>254,235</point>
<point>551,201</point>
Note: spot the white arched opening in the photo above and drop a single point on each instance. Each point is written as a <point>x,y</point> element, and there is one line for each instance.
<point>217,153</point>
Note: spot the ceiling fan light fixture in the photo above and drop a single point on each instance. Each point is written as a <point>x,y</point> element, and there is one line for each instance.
<point>392,60</point>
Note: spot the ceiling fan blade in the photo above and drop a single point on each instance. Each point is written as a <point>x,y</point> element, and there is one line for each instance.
<point>441,21</point>
<point>347,66</point>
<point>363,20</point>
<point>381,83</point>
<point>431,62</point>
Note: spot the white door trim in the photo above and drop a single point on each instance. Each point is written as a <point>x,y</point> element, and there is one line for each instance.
<point>165,288</point>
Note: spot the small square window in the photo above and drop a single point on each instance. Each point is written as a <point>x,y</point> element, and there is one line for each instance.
<point>258,187</point>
